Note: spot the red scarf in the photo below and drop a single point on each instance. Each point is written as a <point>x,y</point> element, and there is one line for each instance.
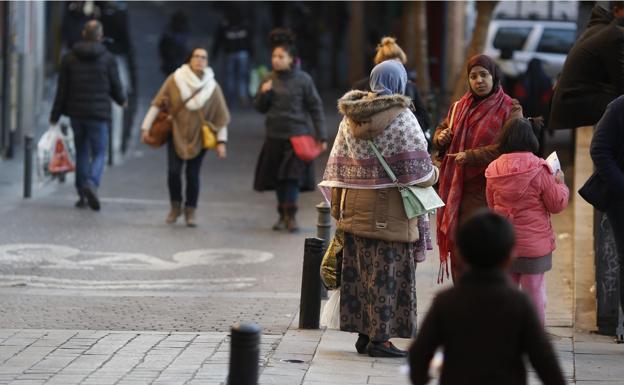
<point>477,124</point>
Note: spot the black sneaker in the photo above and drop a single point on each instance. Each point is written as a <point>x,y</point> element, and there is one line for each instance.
<point>81,204</point>
<point>92,198</point>
<point>385,349</point>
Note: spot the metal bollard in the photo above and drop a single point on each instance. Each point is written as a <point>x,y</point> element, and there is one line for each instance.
<point>28,162</point>
<point>323,226</point>
<point>244,354</point>
<point>310,304</point>
<point>323,231</point>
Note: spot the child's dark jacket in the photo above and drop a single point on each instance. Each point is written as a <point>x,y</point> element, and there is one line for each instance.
<point>485,327</point>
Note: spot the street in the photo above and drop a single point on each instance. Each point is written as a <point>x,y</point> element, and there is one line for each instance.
<point>120,297</point>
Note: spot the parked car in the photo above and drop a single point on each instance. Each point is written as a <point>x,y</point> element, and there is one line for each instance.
<point>513,43</point>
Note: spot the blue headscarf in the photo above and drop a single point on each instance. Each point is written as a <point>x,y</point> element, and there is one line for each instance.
<point>388,77</point>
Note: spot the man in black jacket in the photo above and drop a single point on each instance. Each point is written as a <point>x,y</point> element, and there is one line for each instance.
<point>88,79</point>
<point>607,152</point>
<point>593,74</point>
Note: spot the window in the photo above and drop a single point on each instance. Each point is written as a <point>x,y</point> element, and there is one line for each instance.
<point>556,40</point>
<point>511,38</point>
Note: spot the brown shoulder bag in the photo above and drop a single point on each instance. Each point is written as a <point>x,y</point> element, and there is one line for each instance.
<point>162,127</point>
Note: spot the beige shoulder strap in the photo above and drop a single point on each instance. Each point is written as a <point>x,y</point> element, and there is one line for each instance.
<point>453,116</point>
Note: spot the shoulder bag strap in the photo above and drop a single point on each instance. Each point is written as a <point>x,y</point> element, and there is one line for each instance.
<point>174,112</point>
<point>383,162</point>
<point>453,116</point>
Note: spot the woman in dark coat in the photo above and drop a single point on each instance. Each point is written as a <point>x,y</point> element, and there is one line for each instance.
<point>287,97</point>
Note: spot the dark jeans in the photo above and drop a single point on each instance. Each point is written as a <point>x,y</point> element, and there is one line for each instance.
<point>236,71</point>
<point>91,139</point>
<point>287,191</point>
<point>616,220</point>
<point>174,178</point>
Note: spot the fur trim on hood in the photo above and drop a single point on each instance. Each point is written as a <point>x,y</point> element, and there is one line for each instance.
<point>361,105</point>
<point>369,114</point>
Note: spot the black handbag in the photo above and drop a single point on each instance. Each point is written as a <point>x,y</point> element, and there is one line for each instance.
<point>596,192</point>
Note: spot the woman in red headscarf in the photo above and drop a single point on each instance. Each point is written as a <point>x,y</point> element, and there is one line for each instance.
<point>466,138</point>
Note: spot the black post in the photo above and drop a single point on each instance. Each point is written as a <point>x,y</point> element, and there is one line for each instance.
<point>323,231</point>
<point>310,305</point>
<point>28,155</point>
<point>244,354</point>
<point>608,313</point>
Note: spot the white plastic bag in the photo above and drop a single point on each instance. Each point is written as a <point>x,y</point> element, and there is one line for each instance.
<point>331,312</point>
<point>56,149</point>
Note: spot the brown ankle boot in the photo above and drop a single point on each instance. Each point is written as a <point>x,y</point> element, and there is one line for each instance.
<point>189,216</point>
<point>291,221</point>
<point>174,212</point>
<point>280,225</point>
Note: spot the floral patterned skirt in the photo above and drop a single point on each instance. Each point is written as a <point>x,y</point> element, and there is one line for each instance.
<point>378,288</point>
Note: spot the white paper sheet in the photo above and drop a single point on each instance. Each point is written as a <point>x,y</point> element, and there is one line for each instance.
<point>553,162</point>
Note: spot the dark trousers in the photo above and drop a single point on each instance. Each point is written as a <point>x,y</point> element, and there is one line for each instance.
<point>287,192</point>
<point>616,220</point>
<point>174,176</point>
<point>91,140</point>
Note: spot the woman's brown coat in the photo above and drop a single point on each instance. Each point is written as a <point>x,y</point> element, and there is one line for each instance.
<point>187,134</point>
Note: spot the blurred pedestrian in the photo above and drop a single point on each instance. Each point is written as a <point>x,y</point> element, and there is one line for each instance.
<point>467,137</point>
<point>194,82</point>
<point>534,90</point>
<point>522,188</point>
<point>381,245</point>
<point>288,97</point>
<point>607,152</point>
<point>234,39</point>
<point>173,45</point>
<point>88,80</point>
<point>485,326</point>
<point>593,74</point>
<point>388,49</point>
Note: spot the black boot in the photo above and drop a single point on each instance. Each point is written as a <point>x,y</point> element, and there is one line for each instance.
<point>362,343</point>
<point>291,220</point>
<point>280,225</point>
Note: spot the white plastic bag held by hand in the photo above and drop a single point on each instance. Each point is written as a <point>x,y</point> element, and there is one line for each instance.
<point>331,312</point>
<point>45,150</point>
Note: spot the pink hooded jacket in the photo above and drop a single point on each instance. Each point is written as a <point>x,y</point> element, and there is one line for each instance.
<point>521,187</point>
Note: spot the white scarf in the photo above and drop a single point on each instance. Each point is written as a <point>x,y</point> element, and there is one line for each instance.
<point>188,82</point>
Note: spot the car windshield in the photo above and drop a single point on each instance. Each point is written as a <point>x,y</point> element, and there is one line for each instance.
<point>556,40</point>
<point>511,38</point>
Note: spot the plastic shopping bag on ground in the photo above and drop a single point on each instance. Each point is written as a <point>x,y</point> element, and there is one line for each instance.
<point>331,312</point>
<point>55,152</point>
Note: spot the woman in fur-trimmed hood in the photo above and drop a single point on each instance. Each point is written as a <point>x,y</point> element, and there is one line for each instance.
<point>381,245</point>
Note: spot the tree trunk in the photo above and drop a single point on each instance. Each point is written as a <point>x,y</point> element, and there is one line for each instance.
<point>421,48</point>
<point>455,44</point>
<point>408,32</point>
<point>356,42</point>
<point>477,44</point>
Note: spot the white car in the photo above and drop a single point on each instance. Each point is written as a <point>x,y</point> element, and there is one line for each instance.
<point>513,43</point>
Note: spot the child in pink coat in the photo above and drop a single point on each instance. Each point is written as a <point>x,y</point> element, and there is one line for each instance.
<point>521,187</point>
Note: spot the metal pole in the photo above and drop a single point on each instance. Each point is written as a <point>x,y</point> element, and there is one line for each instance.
<point>310,304</point>
<point>110,143</point>
<point>323,231</point>
<point>28,155</point>
<point>244,354</point>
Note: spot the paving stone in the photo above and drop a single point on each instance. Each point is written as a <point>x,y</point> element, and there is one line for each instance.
<point>599,367</point>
